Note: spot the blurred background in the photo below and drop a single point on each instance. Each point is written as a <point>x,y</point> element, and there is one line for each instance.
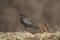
<point>44,13</point>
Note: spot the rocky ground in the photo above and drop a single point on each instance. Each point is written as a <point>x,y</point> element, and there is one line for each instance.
<point>28,36</point>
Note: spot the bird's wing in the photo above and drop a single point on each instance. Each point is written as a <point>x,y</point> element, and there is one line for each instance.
<point>26,21</point>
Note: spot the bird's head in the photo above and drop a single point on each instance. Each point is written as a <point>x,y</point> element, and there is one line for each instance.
<point>22,14</point>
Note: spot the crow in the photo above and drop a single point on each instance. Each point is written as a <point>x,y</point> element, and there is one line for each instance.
<point>26,22</point>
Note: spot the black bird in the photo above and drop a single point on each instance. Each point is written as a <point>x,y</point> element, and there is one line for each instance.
<point>26,22</point>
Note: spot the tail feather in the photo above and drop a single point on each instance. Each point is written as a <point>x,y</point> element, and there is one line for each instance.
<point>34,27</point>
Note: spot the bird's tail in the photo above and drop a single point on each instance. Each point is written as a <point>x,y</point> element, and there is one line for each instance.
<point>34,27</point>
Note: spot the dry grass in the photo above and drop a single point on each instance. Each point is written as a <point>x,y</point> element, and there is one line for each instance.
<point>28,36</point>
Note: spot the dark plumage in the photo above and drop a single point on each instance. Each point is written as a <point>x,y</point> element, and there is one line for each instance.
<point>26,22</point>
